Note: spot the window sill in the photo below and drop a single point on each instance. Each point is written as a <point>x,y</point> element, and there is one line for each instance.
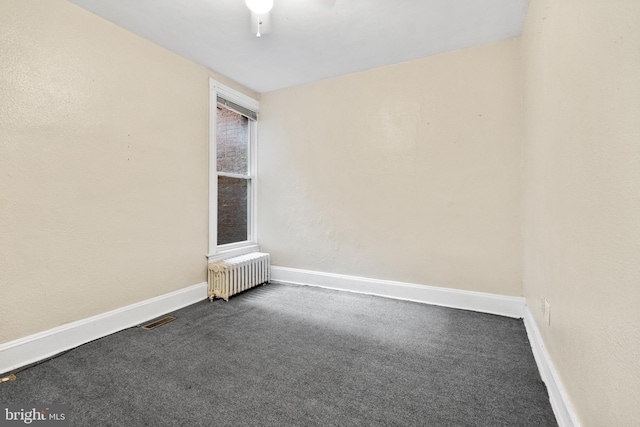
<point>224,253</point>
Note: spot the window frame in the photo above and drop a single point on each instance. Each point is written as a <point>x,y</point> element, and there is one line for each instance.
<point>215,251</point>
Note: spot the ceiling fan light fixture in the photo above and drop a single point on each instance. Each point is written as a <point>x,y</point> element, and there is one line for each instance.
<point>259,6</point>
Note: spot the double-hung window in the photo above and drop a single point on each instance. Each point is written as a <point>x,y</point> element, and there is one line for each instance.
<point>232,167</point>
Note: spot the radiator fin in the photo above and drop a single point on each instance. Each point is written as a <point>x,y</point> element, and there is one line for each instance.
<point>234,275</point>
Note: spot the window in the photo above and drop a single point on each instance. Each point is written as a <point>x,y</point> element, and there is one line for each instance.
<point>232,186</point>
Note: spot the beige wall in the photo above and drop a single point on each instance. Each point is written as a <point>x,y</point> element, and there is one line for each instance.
<point>103,167</point>
<point>409,172</point>
<point>582,205</point>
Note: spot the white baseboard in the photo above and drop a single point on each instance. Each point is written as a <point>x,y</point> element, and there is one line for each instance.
<point>557,395</point>
<point>467,300</point>
<point>475,301</point>
<point>42,345</point>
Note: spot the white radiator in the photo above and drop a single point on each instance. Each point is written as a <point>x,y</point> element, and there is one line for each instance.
<point>231,276</point>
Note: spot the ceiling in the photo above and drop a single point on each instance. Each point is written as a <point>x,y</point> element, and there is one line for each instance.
<point>311,40</point>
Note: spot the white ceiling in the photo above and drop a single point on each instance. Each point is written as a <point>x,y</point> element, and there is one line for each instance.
<point>311,40</point>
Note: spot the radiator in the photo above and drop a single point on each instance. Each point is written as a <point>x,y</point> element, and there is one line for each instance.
<point>231,276</point>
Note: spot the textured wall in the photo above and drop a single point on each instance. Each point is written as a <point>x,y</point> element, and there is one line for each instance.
<point>409,172</point>
<point>103,167</point>
<point>582,198</point>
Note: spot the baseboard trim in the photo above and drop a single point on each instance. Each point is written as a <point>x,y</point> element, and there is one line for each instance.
<point>36,347</point>
<point>557,395</point>
<point>467,300</point>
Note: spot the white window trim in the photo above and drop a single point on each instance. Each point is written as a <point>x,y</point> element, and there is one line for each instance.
<point>217,252</point>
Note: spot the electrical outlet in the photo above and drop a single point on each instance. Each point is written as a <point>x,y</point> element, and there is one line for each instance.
<point>547,312</point>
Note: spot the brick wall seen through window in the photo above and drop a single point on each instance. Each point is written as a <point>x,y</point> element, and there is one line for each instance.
<point>232,137</point>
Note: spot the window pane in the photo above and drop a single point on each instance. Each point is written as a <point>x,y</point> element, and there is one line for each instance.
<point>232,137</point>
<point>232,210</point>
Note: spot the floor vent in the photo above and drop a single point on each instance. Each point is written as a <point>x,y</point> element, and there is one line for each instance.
<point>159,322</point>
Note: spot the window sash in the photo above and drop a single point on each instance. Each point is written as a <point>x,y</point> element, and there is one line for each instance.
<point>235,175</point>
<point>248,177</point>
<point>233,214</point>
<point>247,107</point>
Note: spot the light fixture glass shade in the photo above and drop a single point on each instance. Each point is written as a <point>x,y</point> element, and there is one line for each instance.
<point>259,6</point>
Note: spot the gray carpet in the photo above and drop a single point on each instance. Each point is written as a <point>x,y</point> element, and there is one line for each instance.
<point>284,355</point>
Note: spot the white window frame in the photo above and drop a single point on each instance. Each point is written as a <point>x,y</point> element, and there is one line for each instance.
<point>217,252</point>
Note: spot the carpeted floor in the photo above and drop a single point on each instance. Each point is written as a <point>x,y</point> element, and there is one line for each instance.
<point>284,355</point>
